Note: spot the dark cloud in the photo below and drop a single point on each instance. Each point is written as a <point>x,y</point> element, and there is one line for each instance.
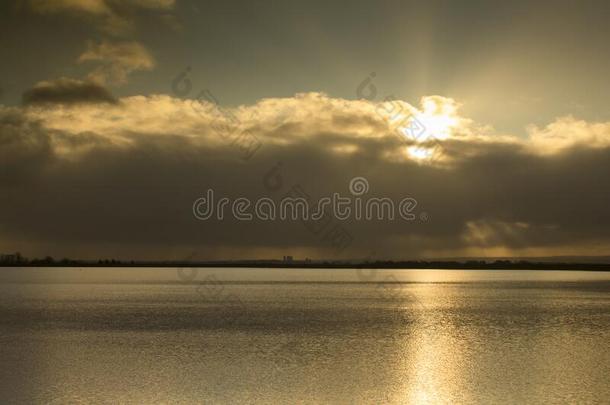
<point>112,16</point>
<point>67,91</point>
<point>123,185</point>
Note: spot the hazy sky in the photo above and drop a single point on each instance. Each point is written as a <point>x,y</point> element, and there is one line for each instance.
<point>102,153</point>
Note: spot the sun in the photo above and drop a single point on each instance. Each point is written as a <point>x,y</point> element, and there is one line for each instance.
<point>438,117</point>
<point>436,121</point>
<point>425,128</point>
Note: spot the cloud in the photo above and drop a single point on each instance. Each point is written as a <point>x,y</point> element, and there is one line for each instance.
<point>67,91</point>
<point>102,179</point>
<point>86,6</point>
<point>112,16</point>
<point>116,60</point>
<point>567,133</point>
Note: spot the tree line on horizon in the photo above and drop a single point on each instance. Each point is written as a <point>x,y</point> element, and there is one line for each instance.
<point>16,259</point>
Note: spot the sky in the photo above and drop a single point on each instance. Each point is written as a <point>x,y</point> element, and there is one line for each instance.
<point>116,117</point>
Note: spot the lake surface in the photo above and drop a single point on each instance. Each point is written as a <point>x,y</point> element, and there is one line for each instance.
<point>303,336</point>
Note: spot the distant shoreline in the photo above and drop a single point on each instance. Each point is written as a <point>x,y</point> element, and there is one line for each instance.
<point>394,265</point>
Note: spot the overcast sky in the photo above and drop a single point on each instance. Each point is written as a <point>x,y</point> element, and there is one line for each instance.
<point>103,150</point>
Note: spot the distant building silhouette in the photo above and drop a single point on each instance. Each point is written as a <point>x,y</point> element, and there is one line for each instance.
<point>14,258</point>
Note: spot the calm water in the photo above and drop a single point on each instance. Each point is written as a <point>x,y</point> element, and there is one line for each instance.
<point>303,336</point>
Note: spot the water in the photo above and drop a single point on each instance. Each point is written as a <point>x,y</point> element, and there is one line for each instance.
<point>303,336</point>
